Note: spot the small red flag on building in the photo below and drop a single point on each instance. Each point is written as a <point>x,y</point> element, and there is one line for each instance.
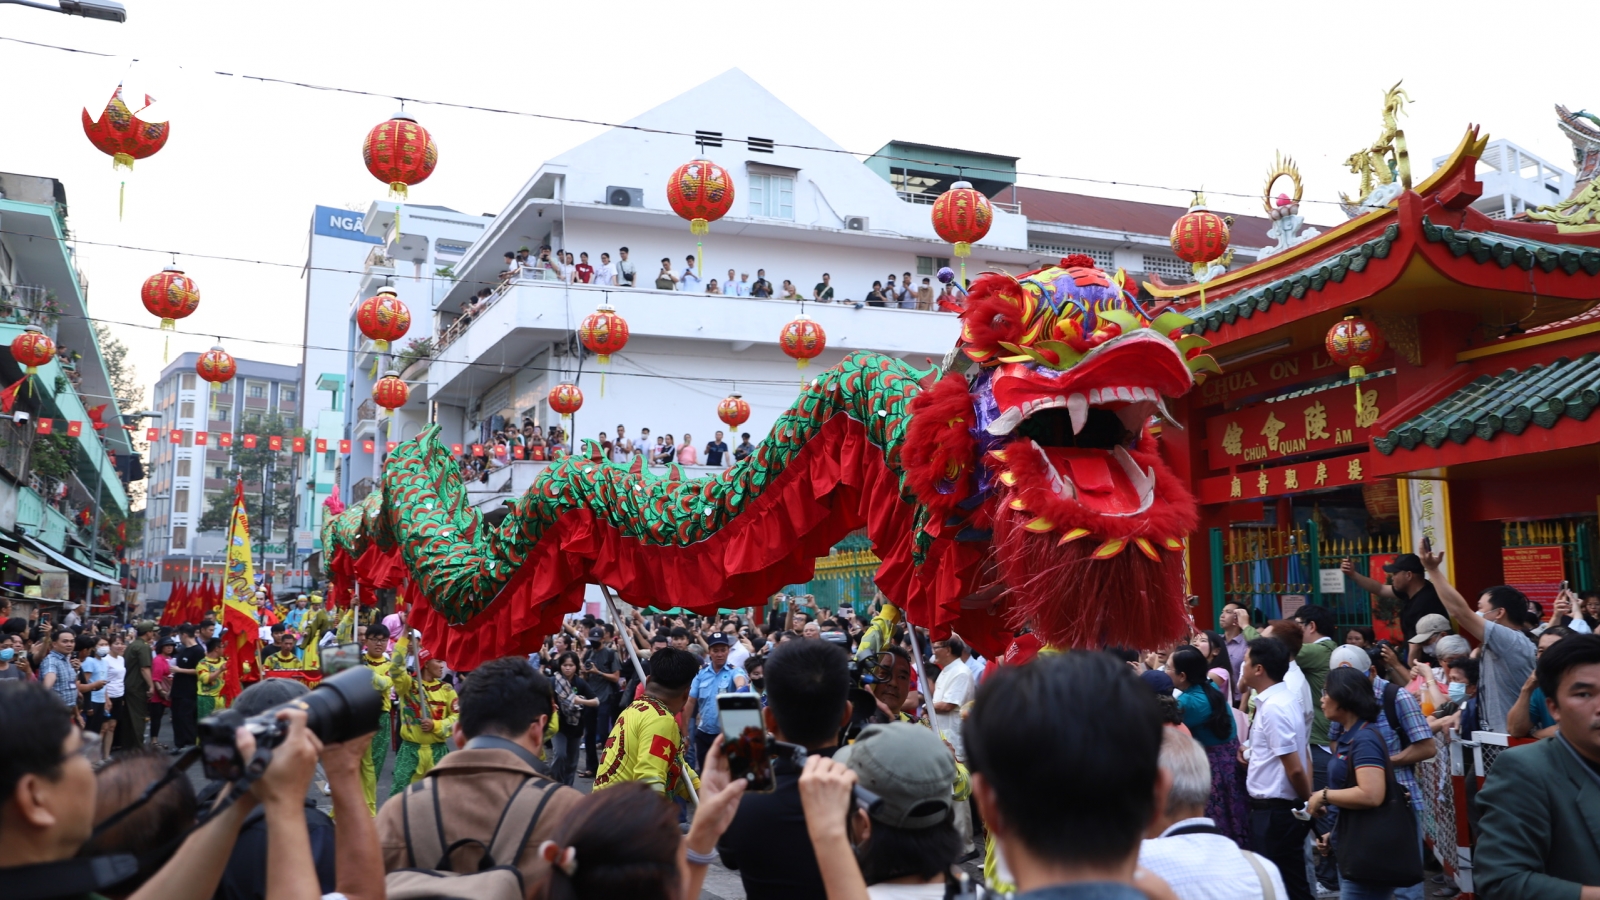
<point>152,434</point>
<point>175,436</point>
<point>74,429</point>
<point>274,442</point>
<point>200,438</point>
<point>46,426</point>
<point>456,449</point>
<point>389,447</point>
<point>249,442</point>
<point>344,446</point>
<point>367,446</point>
<point>225,439</point>
<point>477,449</point>
<point>298,445</point>
<point>322,445</point>
<point>516,451</point>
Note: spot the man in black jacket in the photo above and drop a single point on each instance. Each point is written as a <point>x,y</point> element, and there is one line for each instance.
<point>808,686</point>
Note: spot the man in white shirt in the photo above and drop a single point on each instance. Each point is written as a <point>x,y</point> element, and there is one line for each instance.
<point>606,275</point>
<point>1279,775</point>
<point>621,448</point>
<point>689,281</point>
<point>625,272</point>
<point>1294,679</point>
<point>1185,847</point>
<point>951,691</point>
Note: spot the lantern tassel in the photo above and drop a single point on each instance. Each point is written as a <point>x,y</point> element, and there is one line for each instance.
<point>700,252</point>
<point>382,346</point>
<point>398,189</point>
<point>122,196</point>
<point>166,347</point>
<point>374,375</point>
<point>699,226</point>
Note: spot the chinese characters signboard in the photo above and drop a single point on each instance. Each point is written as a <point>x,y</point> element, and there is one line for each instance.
<point>1325,420</point>
<point>1535,571</point>
<point>1341,471</point>
<point>1269,376</point>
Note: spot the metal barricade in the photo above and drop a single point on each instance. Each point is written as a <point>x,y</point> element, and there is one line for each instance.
<point>1447,781</point>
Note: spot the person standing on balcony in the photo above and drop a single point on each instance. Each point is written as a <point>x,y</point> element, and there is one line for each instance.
<point>569,273</point>
<point>606,275</point>
<point>625,271</point>
<point>511,267</point>
<point>689,281</point>
<point>717,452</point>
<point>908,294</point>
<point>875,296</point>
<point>686,452</point>
<point>789,292</point>
<point>642,445</point>
<point>730,287</point>
<point>664,450</point>
<point>762,287</point>
<point>712,288</point>
<point>745,448</point>
<point>925,295</point>
<point>744,285</point>
<point>665,280</point>
<point>621,448</point>
<point>823,292</point>
<point>583,272</point>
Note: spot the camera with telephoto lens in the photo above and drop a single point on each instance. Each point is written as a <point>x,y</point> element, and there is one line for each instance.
<point>342,707</point>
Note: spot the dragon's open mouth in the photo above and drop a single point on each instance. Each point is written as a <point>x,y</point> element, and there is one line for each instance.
<point>1083,421</point>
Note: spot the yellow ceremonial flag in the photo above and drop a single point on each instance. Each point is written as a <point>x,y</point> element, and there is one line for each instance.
<point>239,614</point>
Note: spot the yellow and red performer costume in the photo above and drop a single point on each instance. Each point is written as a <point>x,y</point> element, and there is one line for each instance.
<point>427,716</point>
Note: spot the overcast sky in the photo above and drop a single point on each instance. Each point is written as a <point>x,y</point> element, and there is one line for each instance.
<point>1179,94</point>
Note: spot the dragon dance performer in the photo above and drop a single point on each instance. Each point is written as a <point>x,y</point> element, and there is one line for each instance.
<point>376,658</point>
<point>211,671</point>
<point>427,718</point>
<point>645,745</point>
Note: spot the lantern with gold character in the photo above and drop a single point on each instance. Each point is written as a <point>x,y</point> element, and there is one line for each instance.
<point>390,392</point>
<point>803,340</point>
<point>700,191</point>
<point>171,295</point>
<point>400,153</point>
<point>32,348</point>
<point>383,318</point>
<point>566,399</point>
<point>1357,343</point>
<point>734,410</point>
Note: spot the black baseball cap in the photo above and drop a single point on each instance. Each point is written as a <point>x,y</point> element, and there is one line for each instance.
<point>718,638</point>
<point>1405,562</point>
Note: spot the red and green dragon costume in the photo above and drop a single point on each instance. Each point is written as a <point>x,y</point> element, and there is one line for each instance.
<point>1017,486</point>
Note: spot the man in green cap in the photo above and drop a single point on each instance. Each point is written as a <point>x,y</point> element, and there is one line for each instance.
<point>139,684</point>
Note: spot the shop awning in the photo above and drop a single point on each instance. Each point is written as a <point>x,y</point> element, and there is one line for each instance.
<point>32,562</point>
<point>68,562</point>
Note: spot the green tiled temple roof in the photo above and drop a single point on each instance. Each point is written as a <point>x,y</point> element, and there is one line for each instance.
<point>1510,401</point>
<point>1508,251</point>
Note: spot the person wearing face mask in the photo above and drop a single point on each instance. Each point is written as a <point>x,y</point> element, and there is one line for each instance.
<point>1408,584</point>
<point>9,669</point>
<point>1501,623</point>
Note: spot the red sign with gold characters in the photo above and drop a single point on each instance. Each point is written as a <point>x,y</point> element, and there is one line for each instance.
<point>1254,484</point>
<point>1535,571</point>
<point>1325,420</point>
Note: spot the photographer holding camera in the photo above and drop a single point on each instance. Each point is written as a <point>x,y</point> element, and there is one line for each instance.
<point>47,807</point>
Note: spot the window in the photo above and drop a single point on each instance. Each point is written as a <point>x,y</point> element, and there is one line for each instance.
<point>287,394</point>
<point>288,422</point>
<point>1170,268</point>
<point>180,538</point>
<point>222,414</point>
<point>330,459</point>
<point>220,470</point>
<point>183,468</point>
<point>187,381</point>
<point>771,196</point>
<point>255,390</point>
<point>186,409</point>
<point>180,501</point>
<point>930,265</point>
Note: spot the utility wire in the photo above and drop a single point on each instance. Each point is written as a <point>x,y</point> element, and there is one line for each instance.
<point>448,104</point>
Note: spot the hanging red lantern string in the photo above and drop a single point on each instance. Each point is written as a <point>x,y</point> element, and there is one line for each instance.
<point>1199,238</point>
<point>962,215</point>
<point>171,295</point>
<point>604,333</point>
<point>122,135</point>
<point>566,399</point>
<point>390,392</point>
<point>702,192</point>
<point>734,410</point>
<point>1357,343</point>
<point>803,340</point>
<point>217,367</point>
<point>32,349</point>
<point>400,153</point>
<point>383,318</point>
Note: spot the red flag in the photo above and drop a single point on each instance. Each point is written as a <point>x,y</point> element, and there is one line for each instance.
<point>152,434</point>
<point>74,429</point>
<point>456,449</point>
<point>8,397</point>
<point>249,442</point>
<point>516,451</point>
<point>477,449</point>
<point>322,445</point>
<point>225,439</point>
<point>344,446</point>
<point>200,438</point>
<point>274,442</point>
<point>94,416</point>
<point>299,445</point>
<point>367,446</point>
<point>46,426</point>
<point>389,447</point>
<point>175,436</point>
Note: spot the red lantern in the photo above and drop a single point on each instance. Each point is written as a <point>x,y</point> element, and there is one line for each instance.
<point>604,332</point>
<point>400,153</point>
<point>390,392</point>
<point>803,339</point>
<point>1199,235</point>
<point>171,295</point>
<point>216,366</point>
<point>1357,343</point>
<point>702,192</point>
<point>734,410</point>
<point>32,348</point>
<point>962,215</point>
<point>122,135</point>
<point>566,399</point>
<point>383,318</point>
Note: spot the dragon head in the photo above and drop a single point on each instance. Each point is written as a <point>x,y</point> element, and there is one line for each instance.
<point>1054,451</point>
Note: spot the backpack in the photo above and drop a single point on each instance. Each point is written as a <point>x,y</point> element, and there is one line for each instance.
<point>497,878</point>
<point>1390,692</point>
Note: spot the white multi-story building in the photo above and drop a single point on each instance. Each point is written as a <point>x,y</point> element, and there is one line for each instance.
<point>351,255</point>
<point>1515,180</point>
<point>804,208</point>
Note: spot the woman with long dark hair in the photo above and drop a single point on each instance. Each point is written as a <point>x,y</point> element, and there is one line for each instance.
<point>1206,713</point>
<point>573,696</point>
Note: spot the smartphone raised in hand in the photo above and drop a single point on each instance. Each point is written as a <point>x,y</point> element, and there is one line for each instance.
<point>744,740</point>
<point>1427,545</point>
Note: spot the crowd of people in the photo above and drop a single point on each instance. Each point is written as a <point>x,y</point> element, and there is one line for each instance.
<point>1258,760</point>
<point>508,444</point>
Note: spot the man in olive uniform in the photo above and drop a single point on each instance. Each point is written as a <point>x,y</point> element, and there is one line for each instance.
<point>139,684</point>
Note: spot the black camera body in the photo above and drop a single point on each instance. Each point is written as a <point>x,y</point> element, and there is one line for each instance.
<point>342,707</point>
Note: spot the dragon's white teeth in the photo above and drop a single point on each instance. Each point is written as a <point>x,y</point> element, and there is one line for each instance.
<point>1078,408</point>
<point>1007,422</point>
<point>1136,414</point>
<point>1143,482</point>
<point>1124,393</point>
<point>1161,410</point>
<point>1061,484</point>
<point>1094,396</point>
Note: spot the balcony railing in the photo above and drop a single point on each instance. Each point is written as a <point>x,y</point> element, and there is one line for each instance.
<point>926,198</point>
<point>360,490</point>
<point>30,304</point>
<point>367,411</point>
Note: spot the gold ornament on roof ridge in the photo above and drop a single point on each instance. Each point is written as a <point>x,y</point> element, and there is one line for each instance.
<point>1386,162</point>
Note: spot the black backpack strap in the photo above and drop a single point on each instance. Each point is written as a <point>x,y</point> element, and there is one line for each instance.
<point>1391,692</point>
<point>1194,829</point>
<point>526,803</point>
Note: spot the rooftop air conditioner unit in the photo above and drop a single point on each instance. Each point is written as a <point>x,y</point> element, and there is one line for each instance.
<point>625,196</point>
<point>856,223</point>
